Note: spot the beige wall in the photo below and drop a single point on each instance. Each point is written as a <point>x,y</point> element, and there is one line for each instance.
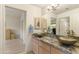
<point>2,28</point>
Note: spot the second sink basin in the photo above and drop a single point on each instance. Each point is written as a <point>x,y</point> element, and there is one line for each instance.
<point>68,41</point>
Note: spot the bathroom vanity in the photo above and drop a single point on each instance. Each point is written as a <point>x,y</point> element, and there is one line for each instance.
<point>41,46</point>
<point>45,45</point>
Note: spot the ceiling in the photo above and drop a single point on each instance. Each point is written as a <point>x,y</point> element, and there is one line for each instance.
<point>61,9</point>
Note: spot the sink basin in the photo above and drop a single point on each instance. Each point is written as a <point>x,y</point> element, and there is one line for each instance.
<point>40,35</point>
<point>68,41</point>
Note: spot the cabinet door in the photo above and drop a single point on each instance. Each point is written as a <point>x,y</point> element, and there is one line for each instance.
<point>35,45</point>
<point>55,50</point>
<point>35,40</point>
<point>44,48</point>
<point>35,48</point>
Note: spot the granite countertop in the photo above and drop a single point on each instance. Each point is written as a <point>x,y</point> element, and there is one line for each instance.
<point>64,48</point>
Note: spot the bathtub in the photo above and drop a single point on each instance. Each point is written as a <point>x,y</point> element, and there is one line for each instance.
<point>14,46</point>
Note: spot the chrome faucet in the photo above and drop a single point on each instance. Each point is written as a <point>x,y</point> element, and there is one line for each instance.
<point>70,33</point>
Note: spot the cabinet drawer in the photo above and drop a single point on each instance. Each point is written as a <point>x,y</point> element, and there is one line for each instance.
<point>55,51</point>
<point>44,45</point>
<point>43,51</point>
<point>35,48</point>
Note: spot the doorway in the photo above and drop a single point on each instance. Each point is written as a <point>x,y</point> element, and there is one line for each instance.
<point>15,29</point>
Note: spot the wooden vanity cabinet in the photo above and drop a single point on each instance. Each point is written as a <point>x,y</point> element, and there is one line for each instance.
<point>40,47</point>
<point>55,50</point>
<point>35,46</point>
<point>44,48</point>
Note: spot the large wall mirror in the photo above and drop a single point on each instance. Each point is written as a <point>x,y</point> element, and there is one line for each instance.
<point>64,26</point>
<point>52,26</point>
